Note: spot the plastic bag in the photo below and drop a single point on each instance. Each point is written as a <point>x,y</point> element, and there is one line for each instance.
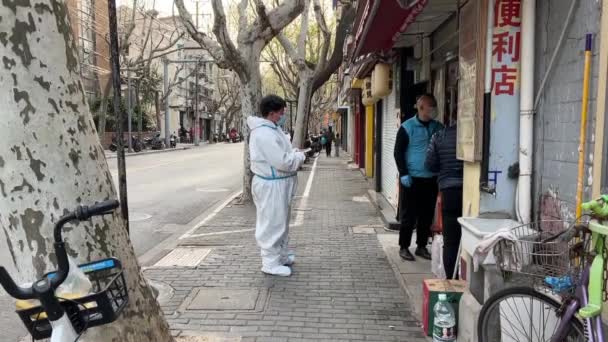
<point>63,331</point>
<point>77,284</point>
<point>437,257</point>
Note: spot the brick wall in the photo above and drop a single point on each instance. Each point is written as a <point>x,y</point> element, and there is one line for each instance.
<point>557,121</point>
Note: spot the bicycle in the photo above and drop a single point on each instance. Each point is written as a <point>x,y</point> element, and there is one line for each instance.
<point>564,302</point>
<point>66,319</point>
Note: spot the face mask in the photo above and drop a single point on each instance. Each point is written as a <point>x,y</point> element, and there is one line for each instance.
<point>282,120</point>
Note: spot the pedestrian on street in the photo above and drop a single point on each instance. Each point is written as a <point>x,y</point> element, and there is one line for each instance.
<point>274,163</point>
<point>419,183</point>
<point>441,158</point>
<point>338,145</point>
<point>329,139</point>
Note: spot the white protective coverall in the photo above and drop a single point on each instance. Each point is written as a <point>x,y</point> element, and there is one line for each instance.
<point>274,163</point>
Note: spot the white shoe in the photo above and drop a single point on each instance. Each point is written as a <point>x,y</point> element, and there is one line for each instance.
<point>289,260</point>
<point>282,271</point>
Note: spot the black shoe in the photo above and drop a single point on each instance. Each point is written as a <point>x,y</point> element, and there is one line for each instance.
<point>405,254</point>
<point>423,253</point>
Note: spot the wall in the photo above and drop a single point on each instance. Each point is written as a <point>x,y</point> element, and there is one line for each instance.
<point>557,121</point>
<point>351,130</point>
<point>470,187</point>
<point>390,125</point>
<point>504,116</point>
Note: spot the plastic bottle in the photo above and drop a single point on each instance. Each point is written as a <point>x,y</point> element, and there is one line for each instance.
<point>444,324</point>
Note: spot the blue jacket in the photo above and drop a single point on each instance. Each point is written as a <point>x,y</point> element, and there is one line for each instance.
<point>419,136</point>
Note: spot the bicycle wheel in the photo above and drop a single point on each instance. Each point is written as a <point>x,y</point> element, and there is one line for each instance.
<point>523,314</point>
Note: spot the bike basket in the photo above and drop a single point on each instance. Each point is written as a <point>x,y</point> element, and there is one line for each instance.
<point>531,253</point>
<point>109,296</point>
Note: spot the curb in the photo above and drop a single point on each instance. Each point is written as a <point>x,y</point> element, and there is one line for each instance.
<point>385,211</point>
<point>156,253</point>
<point>114,156</point>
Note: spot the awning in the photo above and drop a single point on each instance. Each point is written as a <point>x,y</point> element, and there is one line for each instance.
<point>382,22</point>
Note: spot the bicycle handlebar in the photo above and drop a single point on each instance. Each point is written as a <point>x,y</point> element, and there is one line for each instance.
<point>82,213</point>
<point>597,207</point>
<point>13,289</point>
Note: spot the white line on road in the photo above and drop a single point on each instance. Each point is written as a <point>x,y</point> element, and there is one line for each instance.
<point>222,233</point>
<point>309,183</point>
<point>212,215</point>
<point>302,208</point>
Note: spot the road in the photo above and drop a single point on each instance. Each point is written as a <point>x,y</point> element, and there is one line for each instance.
<point>168,190</point>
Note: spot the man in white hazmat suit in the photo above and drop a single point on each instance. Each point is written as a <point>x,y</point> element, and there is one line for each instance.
<point>274,163</point>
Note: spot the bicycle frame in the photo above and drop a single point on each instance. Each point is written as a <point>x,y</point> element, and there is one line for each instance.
<point>593,326</point>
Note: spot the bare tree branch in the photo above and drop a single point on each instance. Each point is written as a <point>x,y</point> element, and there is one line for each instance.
<point>210,45</point>
<point>242,8</point>
<point>289,49</point>
<point>344,24</point>
<point>326,34</point>
<point>220,30</point>
<point>272,22</point>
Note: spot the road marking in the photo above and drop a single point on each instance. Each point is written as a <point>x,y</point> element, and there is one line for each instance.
<point>309,183</point>
<point>135,216</point>
<point>302,208</point>
<point>184,257</point>
<point>222,233</point>
<point>212,215</point>
<point>212,190</point>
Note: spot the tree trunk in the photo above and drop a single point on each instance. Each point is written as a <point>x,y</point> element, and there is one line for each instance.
<point>53,161</point>
<point>251,94</point>
<point>140,120</point>
<point>157,108</point>
<point>304,96</point>
<point>103,110</point>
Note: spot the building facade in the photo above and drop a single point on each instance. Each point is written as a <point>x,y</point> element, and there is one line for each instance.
<point>510,75</point>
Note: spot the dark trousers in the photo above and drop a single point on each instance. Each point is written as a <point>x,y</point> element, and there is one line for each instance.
<point>417,210</point>
<point>328,149</point>
<point>451,211</point>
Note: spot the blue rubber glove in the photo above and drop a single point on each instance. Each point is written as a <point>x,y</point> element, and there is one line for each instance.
<point>406,181</point>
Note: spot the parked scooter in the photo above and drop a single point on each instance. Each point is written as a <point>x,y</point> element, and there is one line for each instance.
<point>235,136</point>
<point>135,143</point>
<point>173,141</point>
<point>155,142</point>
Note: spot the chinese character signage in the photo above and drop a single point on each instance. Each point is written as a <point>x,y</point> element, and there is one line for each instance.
<point>506,42</point>
<point>505,95</point>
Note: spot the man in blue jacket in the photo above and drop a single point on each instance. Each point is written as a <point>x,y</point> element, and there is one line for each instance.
<point>419,184</point>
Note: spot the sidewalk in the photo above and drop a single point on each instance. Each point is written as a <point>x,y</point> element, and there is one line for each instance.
<point>343,287</point>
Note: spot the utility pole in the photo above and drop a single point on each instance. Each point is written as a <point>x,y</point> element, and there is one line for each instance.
<point>197,115</point>
<point>115,62</point>
<point>166,86</point>
<point>130,109</point>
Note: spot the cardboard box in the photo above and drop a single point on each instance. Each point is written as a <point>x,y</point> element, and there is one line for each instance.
<point>431,288</point>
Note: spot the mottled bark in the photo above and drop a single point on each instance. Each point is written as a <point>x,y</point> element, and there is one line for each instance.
<point>52,161</point>
<point>305,91</point>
